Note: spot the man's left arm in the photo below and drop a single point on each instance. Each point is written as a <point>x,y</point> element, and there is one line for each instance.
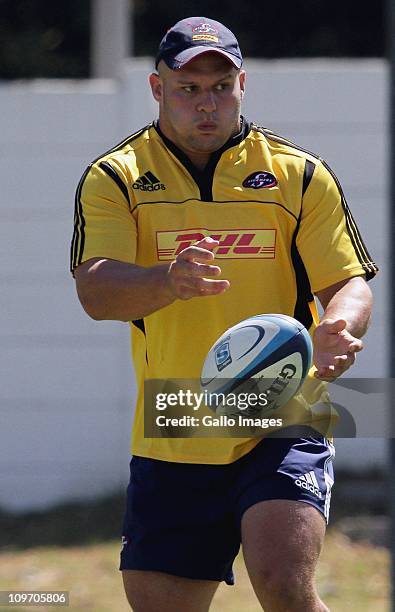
<point>347,310</point>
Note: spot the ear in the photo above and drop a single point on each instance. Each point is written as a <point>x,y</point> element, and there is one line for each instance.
<point>242,81</point>
<point>156,86</point>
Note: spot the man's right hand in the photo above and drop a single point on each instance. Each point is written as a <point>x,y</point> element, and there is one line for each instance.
<point>187,275</point>
<point>114,290</point>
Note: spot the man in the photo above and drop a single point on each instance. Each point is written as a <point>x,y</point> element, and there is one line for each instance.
<point>198,195</point>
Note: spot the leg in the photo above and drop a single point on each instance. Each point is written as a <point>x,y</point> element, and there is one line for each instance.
<point>153,591</point>
<point>179,536</point>
<point>282,541</point>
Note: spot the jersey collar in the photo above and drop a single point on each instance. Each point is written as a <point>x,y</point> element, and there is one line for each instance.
<point>204,178</point>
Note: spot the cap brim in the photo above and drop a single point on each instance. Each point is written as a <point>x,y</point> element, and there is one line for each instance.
<point>186,56</point>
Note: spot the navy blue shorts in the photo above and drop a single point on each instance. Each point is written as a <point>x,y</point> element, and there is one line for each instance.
<point>184,519</point>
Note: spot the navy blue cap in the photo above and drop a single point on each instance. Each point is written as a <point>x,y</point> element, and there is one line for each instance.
<point>193,36</point>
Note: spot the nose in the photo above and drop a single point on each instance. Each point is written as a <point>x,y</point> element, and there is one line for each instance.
<point>207,102</point>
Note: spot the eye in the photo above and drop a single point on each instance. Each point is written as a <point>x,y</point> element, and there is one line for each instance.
<point>189,88</point>
<point>222,86</point>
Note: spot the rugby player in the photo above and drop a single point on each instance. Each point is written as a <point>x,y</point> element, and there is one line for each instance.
<point>188,226</point>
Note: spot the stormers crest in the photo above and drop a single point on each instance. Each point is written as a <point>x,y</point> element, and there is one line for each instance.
<point>260,180</point>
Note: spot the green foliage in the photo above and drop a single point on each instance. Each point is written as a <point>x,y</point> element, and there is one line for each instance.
<point>42,38</point>
<point>302,28</point>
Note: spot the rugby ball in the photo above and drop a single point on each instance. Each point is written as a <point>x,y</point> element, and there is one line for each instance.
<point>268,354</point>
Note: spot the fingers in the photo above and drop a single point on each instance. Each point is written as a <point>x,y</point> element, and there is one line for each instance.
<point>186,286</point>
<point>194,268</point>
<point>203,288</point>
<point>333,339</point>
<point>356,346</point>
<point>190,274</point>
<point>207,243</point>
<point>202,250</point>
<point>195,253</point>
<point>343,360</point>
<point>334,349</point>
<point>341,364</point>
<point>334,326</point>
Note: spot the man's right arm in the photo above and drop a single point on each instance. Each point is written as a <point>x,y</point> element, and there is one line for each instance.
<point>113,290</point>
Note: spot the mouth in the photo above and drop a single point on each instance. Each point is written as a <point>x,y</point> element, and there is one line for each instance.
<point>207,126</point>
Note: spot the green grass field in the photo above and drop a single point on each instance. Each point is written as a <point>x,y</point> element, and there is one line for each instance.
<point>351,576</point>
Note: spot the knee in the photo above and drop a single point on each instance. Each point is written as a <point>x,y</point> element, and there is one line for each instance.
<point>285,588</point>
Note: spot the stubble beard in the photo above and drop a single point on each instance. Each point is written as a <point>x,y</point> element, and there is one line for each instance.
<point>205,144</point>
<point>199,143</point>
<point>211,142</point>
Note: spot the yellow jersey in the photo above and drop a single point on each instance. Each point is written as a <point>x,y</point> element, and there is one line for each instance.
<point>284,231</point>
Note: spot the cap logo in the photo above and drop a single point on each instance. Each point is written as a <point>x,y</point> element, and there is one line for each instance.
<point>204,28</point>
<point>205,37</point>
<point>260,180</point>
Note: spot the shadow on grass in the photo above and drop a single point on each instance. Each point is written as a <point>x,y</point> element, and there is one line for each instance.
<point>101,520</point>
<point>66,525</point>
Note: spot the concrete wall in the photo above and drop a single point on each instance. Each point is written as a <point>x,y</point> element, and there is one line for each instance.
<point>66,382</point>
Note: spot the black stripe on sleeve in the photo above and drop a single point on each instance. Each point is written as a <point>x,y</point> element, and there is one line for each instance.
<point>78,240</point>
<point>139,323</point>
<point>309,168</point>
<point>109,170</point>
<point>360,249</point>
<point>304,294</point>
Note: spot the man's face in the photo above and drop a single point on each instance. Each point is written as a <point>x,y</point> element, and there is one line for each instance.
<point>199,105</point>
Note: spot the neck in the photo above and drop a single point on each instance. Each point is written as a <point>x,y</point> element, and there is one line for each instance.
<point>199,159</point>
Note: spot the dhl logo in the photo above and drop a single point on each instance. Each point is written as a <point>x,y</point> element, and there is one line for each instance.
<point>209,37</point>
<point>233,243</point>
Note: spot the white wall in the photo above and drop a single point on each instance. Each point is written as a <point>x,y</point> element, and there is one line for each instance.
<point>66,383</point>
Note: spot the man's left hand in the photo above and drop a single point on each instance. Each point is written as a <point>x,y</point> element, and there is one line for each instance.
<point>334,349</point>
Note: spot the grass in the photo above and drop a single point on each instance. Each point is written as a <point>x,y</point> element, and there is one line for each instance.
<point>351,576</point>
<point>75,547</point>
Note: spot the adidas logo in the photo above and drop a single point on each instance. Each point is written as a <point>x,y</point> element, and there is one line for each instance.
<point>148,182</point>
<point>309,482</point>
